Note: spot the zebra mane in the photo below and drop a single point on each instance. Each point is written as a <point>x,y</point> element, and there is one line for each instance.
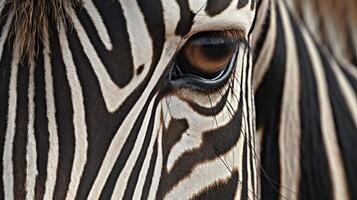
<point>30,21</point>
<point>333,23</point>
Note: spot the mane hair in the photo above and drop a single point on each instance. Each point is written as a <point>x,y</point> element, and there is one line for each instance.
<point>333,23</point>
<point>30,21</point>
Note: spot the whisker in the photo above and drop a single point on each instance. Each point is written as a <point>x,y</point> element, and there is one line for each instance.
<point>271,181</point>
<point>239,124</point>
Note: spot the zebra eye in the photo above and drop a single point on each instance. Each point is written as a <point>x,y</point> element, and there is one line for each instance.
<point>207,59</point>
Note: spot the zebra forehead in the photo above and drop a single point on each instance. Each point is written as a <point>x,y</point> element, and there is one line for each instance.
<point>207,15</point>
<point>32,17</point>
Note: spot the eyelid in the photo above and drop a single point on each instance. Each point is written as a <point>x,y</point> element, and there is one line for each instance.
<point>229,33</point>
<point>232,36</point>
<point>214,41</point>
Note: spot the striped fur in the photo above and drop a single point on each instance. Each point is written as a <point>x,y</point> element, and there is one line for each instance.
<point>306,110</point>
<point>93,115</point>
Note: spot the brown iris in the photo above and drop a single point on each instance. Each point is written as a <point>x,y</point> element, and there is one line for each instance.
<point>208,53</point>
<point>208,59</point>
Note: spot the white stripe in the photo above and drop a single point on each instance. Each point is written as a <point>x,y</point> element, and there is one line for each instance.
<point>158,169</point>
<point>333,153</point>
<point>99,24</point>
<point>265,55</point>
<point>138,35</point>
<point>198,6</point>
<point>124,176</point>
<point>122,134</point>
<point>143,173</point>
<point>5,33</point>
<point>207,174</point>
<point>251,120</point>
<point>250,181</point>
<point>192,138</point>
<point>260,20</point>
<point>116,146</point>
<point>8,176</point>
<point>290,133</point>
<point>346,89</point>
<point>350,69</point>
<point>230,18</point>
<point>2,4</point>
<point>112,94</point>
<point>31,156</point>
<point>244,125</point>
<point>53,151</point>
<point>80,127</point>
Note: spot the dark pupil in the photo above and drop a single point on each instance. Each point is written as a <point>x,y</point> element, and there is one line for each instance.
<point>213,50</point>
<point>216,52</point>
<point>184,69</point>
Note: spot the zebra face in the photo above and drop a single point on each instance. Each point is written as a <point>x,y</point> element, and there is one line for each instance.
<point>204,139</point>
<point>139,99</point>
<point>193,133</point>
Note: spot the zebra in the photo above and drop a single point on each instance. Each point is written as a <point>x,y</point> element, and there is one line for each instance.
<point>126,99</point>
<point>162,99</point>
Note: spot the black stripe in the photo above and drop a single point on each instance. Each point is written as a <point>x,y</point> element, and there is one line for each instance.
<point>64,117</point>
<point>252,5</point>
<point>315,182</point>
<point>3,18</point>
<point>262,36</point>
<point>253,156</point>
<point>244,184</point>
<point>345,127</point>
<point>353,49</point>
<point>125,152</point>
<point>150,174</point>
<point>134,176</point>
<point>242,3</point>
<point>251,115</point>
<point>101,125</point>
<point>186,18</point>
<point>245,95</point>
<point>119,61</point>
<point>268,108</point>
<point>210,111</point>
<point>351,79</point>
<point>130,142</point>
<point>21,130</point>
<point>214,7</point>
<point>214,143</point>
<point>259,2</point>
<point>98,120</point>
<point>41,126</point>
<point>154,18</point>
<point>250,133</point>
<point>354,58</point>
<point>5,73</point>
<point>222,190</point>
